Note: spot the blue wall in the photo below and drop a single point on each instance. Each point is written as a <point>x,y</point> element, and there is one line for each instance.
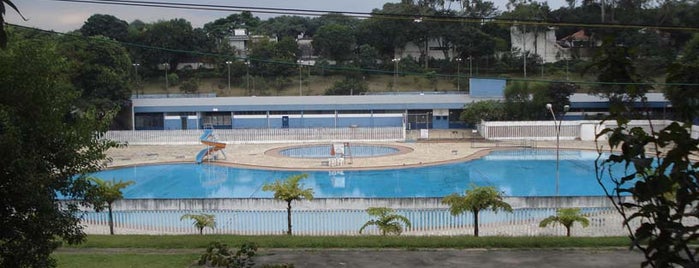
<point>487,88</point>
<point>440,122</point>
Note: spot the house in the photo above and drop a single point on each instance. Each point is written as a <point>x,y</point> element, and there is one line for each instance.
<point>541,43</point>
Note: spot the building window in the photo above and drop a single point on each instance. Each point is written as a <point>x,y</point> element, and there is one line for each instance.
<point>149,121</point>
<point>222,119</point>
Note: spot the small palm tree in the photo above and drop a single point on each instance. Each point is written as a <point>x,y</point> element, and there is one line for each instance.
<point>201,221</point>
<point>476,199</point>
<point>289,190</point>
<point>104,194</point>
<point>566,217</point>
<point>388,221</point>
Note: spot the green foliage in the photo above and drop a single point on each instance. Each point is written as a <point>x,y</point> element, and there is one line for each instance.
<point>190,86</point>
<point>526,100</point>
<point>219,255</point>
<point>386,220</point>
<point>201,221</point>
<point>488,110</point>
<point>45,142</point>
<point>289,190</point>
<point>3,35</point>
<point>661,217</point>
<point>348,86</point>
<point>334,41</point>
<point>476,199</point>
<point>566,217</point>
<point>107,26</point>
<point>685,98</point>
<point>104,194</point>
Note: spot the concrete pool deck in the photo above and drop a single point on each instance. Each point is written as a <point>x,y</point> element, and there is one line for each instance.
<point>255,155</point>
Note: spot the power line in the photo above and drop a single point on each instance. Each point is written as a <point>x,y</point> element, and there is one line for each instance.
<point>376,15</point>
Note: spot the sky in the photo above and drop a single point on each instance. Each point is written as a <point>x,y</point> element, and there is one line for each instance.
<point>66,16</point>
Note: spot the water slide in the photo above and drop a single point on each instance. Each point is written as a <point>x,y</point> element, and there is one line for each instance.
<point>212,146</point>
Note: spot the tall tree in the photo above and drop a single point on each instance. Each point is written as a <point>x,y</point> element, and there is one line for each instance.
<point>387,220</point>
<point>106,25</point>
<point>566,217</point>
<point>45,142</point>
<point>288,191</point>
<point>475,200</point>
<point>104,194</point>
<point>335,41</point>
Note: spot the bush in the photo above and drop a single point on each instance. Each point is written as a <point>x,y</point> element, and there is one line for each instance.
<point>348,86</point>
<point>219,255</point>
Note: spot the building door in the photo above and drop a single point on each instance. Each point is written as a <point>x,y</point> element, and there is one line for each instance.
<point>419,120</point>
<point>184,122</point>
<point>285,121</point>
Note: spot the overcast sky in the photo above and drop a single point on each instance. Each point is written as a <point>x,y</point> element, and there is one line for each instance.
<point>66,16</point>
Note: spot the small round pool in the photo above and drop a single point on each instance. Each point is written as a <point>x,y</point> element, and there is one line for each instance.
<point>326,150</point>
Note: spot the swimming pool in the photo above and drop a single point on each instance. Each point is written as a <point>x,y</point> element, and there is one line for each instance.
<point>522,172</point>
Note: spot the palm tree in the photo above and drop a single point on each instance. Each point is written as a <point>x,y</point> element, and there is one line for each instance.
<point>566,217</point>
<point>3,35</point>
<point>106,192</point>
<point>388,221</point>
<point>476,199</point>
<point>201,221</point>
<point>289,190</point>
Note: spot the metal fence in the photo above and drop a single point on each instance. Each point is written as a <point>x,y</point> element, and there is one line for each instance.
<point>546,130</point>
<point>264,135</point>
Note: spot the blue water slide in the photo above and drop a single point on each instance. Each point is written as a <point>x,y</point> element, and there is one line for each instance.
<point>201,155</point>
<point>207,133</point>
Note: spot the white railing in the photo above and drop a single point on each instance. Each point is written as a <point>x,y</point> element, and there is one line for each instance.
<point>344,216</point>
<point>438,221</point>
<point>266,135</point>
<point>546,130</point>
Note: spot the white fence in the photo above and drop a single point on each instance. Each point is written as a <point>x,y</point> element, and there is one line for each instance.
<point>344,216</point>
<point>546,130</point>
<point>264,135</point>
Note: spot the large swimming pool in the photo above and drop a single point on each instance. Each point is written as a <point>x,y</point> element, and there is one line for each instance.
<point>523,172</point>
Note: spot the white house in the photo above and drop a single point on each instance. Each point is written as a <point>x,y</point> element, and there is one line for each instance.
<point>542,43</point>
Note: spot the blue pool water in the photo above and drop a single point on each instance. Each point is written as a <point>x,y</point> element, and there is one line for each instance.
<point>323,151</point>
<point>514,172</point>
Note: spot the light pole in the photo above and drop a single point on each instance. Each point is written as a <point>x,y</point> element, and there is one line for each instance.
<point>458,74</point>
<point>300,78</point>
<point>395,73</point>
<point>470,65</point>
<point>166,66</point>
<point>228,64</point>
<point>135,66</point>
<point>247,76</point>
<point>558,140</point>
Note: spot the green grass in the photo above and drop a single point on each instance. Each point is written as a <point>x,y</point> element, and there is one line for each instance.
<point>199,241</point>
<point>68,260</point>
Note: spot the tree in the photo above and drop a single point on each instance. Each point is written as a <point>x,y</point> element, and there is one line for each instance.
<point>47,144</point>
<point>566,217</point>
<point>190,86</point>
<point>201,221</point>
<point>106,25</point>
<point>489,110</point>
<point>288,191</point>
<point>3,35</point>
<point>104,194</point>
<point>660,210</point>
<point>335,42</point>
<point>684,97</point>
<point>387,220</point>
<point>475,200</point>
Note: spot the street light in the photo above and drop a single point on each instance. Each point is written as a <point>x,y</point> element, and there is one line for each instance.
<point>135,66</point>
<point>300,77</point>
<point>458,74</point>
<point>558,139</point>
<point>228,64</point>
<point>470,65</point>
<point>395,73</point>
<point>166,66</point>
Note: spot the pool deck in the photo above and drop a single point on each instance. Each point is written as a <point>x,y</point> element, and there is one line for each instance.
<point>430,152</point>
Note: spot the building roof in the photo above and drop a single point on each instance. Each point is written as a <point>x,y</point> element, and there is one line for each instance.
<point>306,103</point>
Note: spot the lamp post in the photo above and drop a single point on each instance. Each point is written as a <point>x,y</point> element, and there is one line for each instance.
<point>166,66</point>
<point>228,64</point>
<point>558,140</point>
<point>300,78</point>
<point>470,65</point>
<point>458,74</point>
<point>135,66</point>
<point>247,76</point>
<point>395,73</point>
